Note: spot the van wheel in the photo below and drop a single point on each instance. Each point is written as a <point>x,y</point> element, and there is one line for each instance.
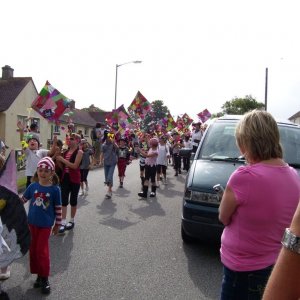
<point>186,238</point>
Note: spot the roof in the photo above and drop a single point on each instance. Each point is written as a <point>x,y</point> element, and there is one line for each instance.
<point>10,89</point>
<point>82,117</point>
<point>295,116</point>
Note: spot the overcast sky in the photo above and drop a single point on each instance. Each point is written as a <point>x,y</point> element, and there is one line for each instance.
<point>195,54</point>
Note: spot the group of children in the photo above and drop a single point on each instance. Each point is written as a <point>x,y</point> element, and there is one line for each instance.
<point>56,177</point>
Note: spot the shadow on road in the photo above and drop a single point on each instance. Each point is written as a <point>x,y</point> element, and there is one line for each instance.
<point>204,256</point>
<point>151,208</point>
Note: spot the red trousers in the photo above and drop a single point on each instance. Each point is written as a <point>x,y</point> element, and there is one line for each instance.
<point>39,250</point>
<point>122,164</point>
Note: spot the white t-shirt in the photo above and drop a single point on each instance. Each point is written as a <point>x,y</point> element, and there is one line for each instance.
<point>32,159</point>
<point>163,152</point>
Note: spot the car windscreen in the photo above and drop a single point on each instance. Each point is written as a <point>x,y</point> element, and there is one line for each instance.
<point>290,142</point>
<point>219,142</point>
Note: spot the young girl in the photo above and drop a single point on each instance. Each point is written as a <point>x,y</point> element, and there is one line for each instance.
<point>44,208</point>
<point>70,183</point>
<point>150,168</point>
<point>123,159</point>
<point>85,167</point>
<point>110,158</point>
<point>162,160</point>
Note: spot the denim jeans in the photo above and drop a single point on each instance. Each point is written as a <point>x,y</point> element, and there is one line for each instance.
<point>109,173</point>
<point>244,285</point>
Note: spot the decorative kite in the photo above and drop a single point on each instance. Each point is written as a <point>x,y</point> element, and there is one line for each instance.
<point>140,105</point>
<point>14,230</point>
<point>50,103</point>
<point>171,124</point>
<point>187,121</point>
<point>204,115</point>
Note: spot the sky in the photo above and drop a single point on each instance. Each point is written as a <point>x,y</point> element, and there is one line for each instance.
<point>195,55</point>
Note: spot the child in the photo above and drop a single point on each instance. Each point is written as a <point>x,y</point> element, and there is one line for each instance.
<point>44,208</point>
<point>123,159</point>
<point>162,160</point>
<point>110,158</point>
<point>85,166</point>
<point>32,153</point>
<point>150,168</point>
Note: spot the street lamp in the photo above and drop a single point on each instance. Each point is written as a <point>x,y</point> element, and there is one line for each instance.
<point>116,83</point>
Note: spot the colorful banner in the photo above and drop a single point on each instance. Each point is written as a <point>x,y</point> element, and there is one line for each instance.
<point>50,103</point>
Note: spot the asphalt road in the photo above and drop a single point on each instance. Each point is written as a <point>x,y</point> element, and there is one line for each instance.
<point>125,248</point>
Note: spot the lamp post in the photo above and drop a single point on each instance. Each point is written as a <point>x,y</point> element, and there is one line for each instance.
<point>116,82</point>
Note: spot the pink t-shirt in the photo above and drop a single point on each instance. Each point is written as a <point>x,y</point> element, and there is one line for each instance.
<point>267,198</point>
<point>151,161</point>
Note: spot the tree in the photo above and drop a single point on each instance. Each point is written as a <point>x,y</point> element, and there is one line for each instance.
<point>93,108</point>
<point>159,111</point>
<point>239,106</point>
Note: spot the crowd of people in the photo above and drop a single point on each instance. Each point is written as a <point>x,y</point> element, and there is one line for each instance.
<point>56,177</point>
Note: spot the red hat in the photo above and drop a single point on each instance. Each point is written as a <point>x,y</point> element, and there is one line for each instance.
<point>46,163</point>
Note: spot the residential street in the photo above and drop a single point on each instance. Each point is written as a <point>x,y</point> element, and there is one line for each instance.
<point>125,248</point>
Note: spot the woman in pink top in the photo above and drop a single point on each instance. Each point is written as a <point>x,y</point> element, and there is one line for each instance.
<point>258,204</point>
<point>150,168</point>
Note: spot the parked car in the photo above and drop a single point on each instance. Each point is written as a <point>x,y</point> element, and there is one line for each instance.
<point>216,158</point>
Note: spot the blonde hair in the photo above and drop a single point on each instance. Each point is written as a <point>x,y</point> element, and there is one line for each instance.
<point>257,133</point>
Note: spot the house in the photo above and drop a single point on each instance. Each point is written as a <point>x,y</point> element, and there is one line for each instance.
<point>295,118</point>
<point>16,97</point>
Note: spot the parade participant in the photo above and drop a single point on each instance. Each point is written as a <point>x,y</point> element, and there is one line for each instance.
<point>177,144</point>
<point>196,136</point>
<point>123,159</point>
<point>44,209</point>
<point>144,146</point>
<point>32,152</point>
<point>255,221</point>
<point>110,158</point>
<point>150,168</point>
<point>188,145</point>
<point>85,167</point>
<point>162,161</point>
<point>70,183</point>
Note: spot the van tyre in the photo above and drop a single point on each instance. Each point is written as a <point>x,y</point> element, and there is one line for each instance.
<point>187,239</point>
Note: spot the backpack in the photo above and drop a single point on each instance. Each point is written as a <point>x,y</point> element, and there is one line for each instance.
<point>93,134</point>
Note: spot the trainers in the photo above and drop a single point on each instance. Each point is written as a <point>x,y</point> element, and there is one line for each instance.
<point>81,193</point>
<point>37,283</point>
<point>6,275</point>
<point>70,225</point>
<point>108,195</point>
<point>45,285</point>
<point>142,195</point>
<point>152,194</point>
<point>121,185</point>
<point>62,229</point>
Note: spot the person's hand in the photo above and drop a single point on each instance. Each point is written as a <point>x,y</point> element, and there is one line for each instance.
<point>20,125</point>
<point>55,229</point>
<point>60,158</point>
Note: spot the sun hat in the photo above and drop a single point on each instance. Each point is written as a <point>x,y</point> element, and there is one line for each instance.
<point>46,163</point>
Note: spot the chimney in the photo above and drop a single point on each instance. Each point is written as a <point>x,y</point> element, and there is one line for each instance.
<point>7,72</point>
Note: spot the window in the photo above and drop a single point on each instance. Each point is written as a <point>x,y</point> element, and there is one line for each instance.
<point>56,129</point>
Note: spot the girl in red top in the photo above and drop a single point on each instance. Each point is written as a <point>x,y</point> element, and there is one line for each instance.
<point>70,182</point>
